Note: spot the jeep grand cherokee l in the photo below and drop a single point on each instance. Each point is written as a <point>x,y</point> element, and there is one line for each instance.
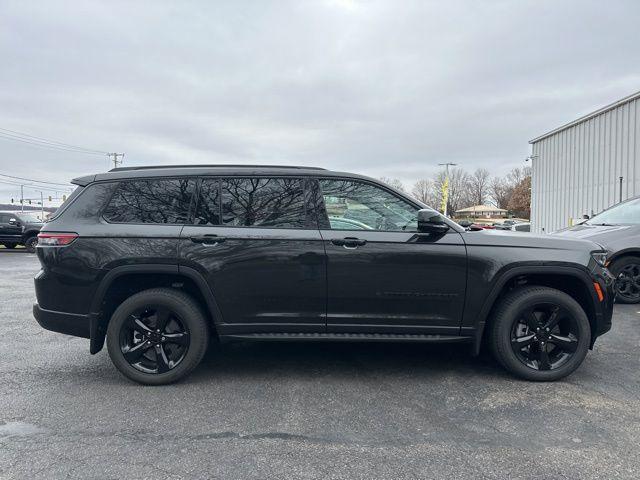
<point>163,260</point>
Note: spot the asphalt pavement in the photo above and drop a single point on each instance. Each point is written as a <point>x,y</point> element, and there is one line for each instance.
<point>344,411</point>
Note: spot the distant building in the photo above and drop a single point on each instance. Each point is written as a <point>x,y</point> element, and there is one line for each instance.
<point>481,211</point>
<point>577,168</point>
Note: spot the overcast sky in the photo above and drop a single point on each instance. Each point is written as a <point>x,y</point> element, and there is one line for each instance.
<point>383,88</point>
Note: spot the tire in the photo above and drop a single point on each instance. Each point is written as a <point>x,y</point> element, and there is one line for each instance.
<point>627,273</point>
<point>10,245</point>
<point>31,243</point>
<point>132,335</point>
<point>522,345</point>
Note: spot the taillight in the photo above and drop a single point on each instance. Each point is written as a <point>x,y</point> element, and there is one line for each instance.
<point>56,239</point>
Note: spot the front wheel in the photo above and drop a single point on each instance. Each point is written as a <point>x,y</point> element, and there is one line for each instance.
<point>540,333</point>
<point>157,336</point>
<point>627,273</point>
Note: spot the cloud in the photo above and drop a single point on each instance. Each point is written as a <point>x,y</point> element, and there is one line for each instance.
<point>379,88</point>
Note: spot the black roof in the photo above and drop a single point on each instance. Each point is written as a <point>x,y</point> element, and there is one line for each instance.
<point>203,170</point>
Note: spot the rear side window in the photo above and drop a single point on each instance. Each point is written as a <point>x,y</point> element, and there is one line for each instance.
<point>263,202</point>
<point>151,201</point>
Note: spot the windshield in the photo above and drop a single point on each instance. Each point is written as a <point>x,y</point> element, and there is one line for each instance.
<point>627,213</point>
<point>31,217</point>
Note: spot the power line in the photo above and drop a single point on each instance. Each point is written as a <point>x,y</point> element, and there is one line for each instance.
<point>46,146</point>
<point>34,187</point>
<point>28,138</point>
<point>33,180</point>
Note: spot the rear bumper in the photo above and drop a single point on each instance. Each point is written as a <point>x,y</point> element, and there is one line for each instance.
<point>62,322</point>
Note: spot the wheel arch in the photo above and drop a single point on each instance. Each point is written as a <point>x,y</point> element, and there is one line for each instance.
<point>125,280</point>
<point>574,281</point>
<point>626,252</point>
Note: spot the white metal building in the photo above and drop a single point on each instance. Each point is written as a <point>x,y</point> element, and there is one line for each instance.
<point>576,168</point>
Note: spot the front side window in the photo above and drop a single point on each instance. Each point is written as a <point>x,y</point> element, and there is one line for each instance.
<point>263,202</point>
<point>354,205</point>
<point>627,213</point>
<point>151,201</point>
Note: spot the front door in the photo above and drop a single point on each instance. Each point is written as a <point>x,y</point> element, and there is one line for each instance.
<point>261,254</point>
<point>382,277</point>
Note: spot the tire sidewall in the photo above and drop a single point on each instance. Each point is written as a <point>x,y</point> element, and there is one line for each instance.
<point>189,313</point>
<point>509,315</point>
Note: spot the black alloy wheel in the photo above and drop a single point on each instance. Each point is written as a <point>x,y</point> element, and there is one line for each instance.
<point>154,339</point>
<point>31,244</point>
<point>157,336</point>
<point>539,333</point>
<point>627,273</point>
<point>545,336</point>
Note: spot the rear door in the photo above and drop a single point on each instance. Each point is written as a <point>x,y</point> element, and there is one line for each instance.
<point>382,276</point>
<point>260,250</point>
<point>9,231</point>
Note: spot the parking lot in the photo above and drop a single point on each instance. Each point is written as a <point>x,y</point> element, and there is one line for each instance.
<point>308,410</point>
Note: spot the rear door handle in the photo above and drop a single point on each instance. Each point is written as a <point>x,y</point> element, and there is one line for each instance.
<point>349,242</point>
<point>208,240</point>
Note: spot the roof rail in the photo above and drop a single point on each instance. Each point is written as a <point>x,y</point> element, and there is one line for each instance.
<point>152,167</point>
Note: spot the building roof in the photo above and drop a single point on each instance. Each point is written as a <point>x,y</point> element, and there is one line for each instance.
<point>481,209</point>
<point>589,116</point>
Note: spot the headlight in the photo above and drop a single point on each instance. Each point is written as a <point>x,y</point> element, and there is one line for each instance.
<point>600,258</point>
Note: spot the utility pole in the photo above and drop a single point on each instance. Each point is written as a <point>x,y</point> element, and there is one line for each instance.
<point>115,156</point>
<point>42,206</point>
<point>445,193</point>
<point>22,198</point>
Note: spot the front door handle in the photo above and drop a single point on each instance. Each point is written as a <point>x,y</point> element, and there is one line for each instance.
<point>208,240</point>
<point>349,242</point>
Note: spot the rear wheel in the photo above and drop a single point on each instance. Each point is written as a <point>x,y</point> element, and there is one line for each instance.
<point>540,334</point>
<point>9,245</point>
<point>31,243</point>
<point>157,336</point>
<point>627,273</point>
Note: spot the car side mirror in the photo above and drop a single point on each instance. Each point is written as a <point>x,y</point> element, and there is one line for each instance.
<point>13,221</point>
<point>430,221</point>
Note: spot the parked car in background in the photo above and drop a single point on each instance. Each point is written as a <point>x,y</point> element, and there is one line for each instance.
<point>618,230</point>
<point>521,227</point>
<point>506,225</point>
<point>162,261</point>
<point>20,228</point>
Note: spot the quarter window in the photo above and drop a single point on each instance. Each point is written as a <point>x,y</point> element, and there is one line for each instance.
<point>151,201</point>
<point>353,205</point>
<point>263,202</point>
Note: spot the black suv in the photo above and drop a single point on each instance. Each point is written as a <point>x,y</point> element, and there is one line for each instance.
<point>161,260</point>
<point>20,228</point>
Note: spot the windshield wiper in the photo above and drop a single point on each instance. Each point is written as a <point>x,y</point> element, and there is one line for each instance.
<point>602,224</point>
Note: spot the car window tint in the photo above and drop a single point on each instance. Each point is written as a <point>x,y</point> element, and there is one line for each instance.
<point>353,205</point>
<point>4,218</point>
<point>263,202</point>
<point>151,201</point>
<point>208,209</point>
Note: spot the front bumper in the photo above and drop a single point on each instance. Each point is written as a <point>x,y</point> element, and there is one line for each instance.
<point>62,322</point>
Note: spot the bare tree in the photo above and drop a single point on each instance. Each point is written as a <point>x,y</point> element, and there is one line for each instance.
<point>423,190</point>
<point>517,175</point>
<point>479,186</point>
<point>393,182</point>
<point>500,191</point>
